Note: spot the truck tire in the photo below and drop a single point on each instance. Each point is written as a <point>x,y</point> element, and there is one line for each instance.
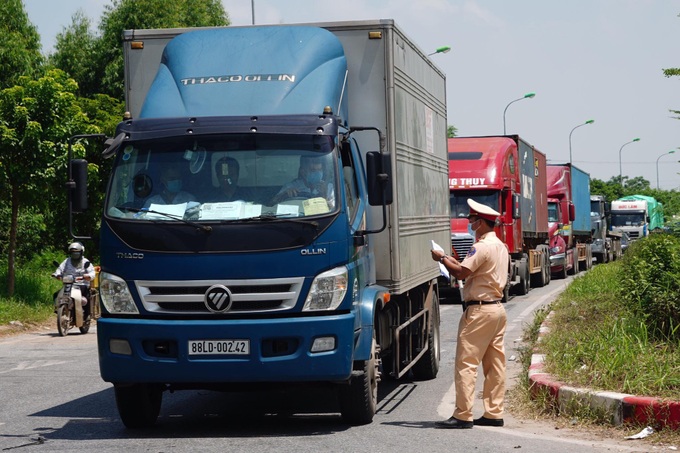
<point>524,277</point>
<point>138,404</point>
<point>575,266</point>
<point>506,293</point>
<point>359,399</point>
<point>542,278</point>
<point>601,258</point>
<point>427,366</point>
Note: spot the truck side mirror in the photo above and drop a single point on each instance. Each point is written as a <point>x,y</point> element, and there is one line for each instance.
<point>112,145</point>
<point>78,185</point>
<point>572,212</point>
<point>379,178</point>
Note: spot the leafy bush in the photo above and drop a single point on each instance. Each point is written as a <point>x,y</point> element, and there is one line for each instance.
<point>650,282</point>
<point>30,228</point>
<point>33,284</point>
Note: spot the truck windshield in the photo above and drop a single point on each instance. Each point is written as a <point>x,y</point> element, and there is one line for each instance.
<point>224,178</point>
<point>459,206</point>
<point>595,208</point>
<point>628,219</point>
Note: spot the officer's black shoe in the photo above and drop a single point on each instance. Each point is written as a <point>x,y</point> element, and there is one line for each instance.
<point>483,421</point>
<point>453,423</point>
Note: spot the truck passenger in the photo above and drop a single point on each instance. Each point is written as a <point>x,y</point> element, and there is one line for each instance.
<point>172,192</point>
<point>308,184</point>
<point>227,170</point>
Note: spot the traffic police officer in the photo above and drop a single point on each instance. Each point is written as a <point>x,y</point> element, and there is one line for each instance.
<point>482,325</point>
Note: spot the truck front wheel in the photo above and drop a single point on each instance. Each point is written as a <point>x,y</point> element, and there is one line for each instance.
<point>359,399</point>
<point>138,404</point>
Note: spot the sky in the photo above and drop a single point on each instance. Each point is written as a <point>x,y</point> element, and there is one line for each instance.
<point>585,59</point>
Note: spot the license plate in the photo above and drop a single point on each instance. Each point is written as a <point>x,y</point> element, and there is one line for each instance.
<point>219,347</point>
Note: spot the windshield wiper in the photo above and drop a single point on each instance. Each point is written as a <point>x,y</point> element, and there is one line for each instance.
<point>284,217</point>
<point>205,228</point>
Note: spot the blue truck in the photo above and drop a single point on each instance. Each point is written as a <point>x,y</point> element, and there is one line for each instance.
<point>318,271</point>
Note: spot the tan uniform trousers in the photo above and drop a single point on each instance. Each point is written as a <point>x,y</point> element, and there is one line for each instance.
<point>480,340</point>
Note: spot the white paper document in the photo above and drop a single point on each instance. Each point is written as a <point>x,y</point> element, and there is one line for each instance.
<point>442,269</point>
<point>230,210</point>
<point>176,210</point>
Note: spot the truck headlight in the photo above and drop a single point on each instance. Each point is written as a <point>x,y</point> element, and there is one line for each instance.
<point>327,291</point>
<point>115,295</point>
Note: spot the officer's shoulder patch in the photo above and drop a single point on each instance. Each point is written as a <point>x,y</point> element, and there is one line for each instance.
<point>472,251</point>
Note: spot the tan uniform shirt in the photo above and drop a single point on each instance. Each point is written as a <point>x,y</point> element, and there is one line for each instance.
<point>488,261</point>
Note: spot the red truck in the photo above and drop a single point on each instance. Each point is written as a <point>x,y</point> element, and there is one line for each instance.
<point>569,215</point>
<point>508,174</point>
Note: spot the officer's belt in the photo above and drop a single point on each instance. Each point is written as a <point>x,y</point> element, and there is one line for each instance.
<point>479,302</point>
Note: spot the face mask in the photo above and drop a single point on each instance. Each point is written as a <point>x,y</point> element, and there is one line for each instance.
<point>471,230</point>
<point>174,186</point>
<point>75,256</point>
<point>314,177</point>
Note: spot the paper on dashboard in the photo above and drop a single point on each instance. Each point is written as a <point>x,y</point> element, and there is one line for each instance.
<point>176,210</point>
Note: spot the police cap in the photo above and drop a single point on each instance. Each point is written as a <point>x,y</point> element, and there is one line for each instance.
<point>482,210</point>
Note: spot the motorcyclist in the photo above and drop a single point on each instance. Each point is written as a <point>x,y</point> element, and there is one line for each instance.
<point>79,266</point>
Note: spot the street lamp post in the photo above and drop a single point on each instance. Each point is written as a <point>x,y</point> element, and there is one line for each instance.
<point>572,131</point>
<point>621,149</point>
<point>526,96</point>
<point>442,49</point>
<point>657,166</point>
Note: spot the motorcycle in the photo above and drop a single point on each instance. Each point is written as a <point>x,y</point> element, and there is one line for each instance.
<point>68,305</point>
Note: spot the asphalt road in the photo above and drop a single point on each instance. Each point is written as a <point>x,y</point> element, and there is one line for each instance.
<point>53,399</point>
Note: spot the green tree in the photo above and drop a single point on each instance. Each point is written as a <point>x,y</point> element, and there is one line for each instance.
<point>140,14</point>
<point>451,131</point>
<point>611,190</point>
<point>75,52</point>
<point>635,185</point>
<point>37,117</point>
<point>19,44</point>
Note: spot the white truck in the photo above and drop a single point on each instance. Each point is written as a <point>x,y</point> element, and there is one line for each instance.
<point>637,215</point>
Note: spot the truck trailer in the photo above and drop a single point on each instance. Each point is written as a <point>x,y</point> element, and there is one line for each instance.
<point>569,216</point>
<point>328,281</point>
<point>509,175</point>
<point>636,215</point>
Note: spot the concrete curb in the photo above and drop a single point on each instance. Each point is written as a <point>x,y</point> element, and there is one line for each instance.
<point>619,408</point>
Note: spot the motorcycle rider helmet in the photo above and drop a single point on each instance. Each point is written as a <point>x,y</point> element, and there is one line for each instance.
<point>76,250</point>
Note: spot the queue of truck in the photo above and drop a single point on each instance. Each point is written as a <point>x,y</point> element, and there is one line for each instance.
<point>552,224</point>
<point>333,135</point>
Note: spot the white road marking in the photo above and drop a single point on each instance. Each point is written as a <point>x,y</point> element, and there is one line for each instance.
<point>22,366</point>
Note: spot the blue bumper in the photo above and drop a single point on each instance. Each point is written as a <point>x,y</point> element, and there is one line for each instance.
<point>279,350</point>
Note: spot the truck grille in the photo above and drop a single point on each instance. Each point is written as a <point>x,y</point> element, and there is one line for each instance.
<point>248,296</point>
<point>634,234</point>
<point>462,245</point>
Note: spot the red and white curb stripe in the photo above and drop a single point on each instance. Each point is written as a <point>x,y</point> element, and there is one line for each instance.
<point>620,407</point>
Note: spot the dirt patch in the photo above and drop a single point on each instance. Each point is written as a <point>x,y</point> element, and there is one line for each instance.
<point>16,327</point>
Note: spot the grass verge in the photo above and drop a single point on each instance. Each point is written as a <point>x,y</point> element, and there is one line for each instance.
<point>597,340</point>
<point>32,304</point>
